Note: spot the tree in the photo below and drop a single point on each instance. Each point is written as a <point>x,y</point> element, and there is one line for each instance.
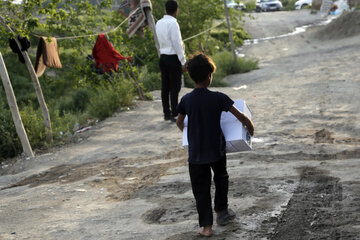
<point>22,19</point>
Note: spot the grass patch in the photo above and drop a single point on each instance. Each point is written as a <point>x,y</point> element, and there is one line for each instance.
<point>288,5</point>
<point>107,99</point>
<point>225,66</point>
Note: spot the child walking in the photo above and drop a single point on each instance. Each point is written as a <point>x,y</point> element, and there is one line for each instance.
<point>207,143</point>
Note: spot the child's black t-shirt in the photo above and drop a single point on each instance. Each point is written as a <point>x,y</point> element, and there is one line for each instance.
<point>203,108</point>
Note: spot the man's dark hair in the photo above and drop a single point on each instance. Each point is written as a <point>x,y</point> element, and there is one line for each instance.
<point>171,6</point>
<point>200,66</point>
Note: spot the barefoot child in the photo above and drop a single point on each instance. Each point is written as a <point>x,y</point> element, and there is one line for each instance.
<point>207,143</point>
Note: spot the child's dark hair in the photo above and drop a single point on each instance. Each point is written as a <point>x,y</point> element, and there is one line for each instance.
<point>171,6</point>
<point>200,66</point>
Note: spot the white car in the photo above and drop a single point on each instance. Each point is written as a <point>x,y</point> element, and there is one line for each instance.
<point>302,3</point>
<point>268,5</point>
<point>235,5</point>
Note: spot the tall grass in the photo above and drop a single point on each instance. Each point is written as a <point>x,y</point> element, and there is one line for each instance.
<point>107,99</point>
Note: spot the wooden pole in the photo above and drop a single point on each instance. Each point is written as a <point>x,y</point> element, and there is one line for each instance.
<point>136,82</point>
<point>151,22</point>
<point>230,32</point>
<point>39,93</point>
<point>14,109</point>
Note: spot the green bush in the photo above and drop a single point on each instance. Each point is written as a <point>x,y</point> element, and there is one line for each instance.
<point>110,98</point>
<point>62,125</point>
<point>225,65</point>
<point>222,35</point>
<point>78,102</point>
<point>150,80</point>
<point>288,4</point>
<point>9,142</point>
<point>250,5</point>
<point>34,126</point>
<point>32,119</point>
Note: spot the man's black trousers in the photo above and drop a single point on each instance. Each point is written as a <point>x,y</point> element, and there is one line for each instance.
<point>200,176</point>
<point>171,70</point>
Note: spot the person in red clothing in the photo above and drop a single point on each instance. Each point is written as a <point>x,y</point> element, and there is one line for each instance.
<point>106,56</point>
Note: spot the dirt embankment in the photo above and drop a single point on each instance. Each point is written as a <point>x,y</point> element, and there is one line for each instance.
<point>347,25</point>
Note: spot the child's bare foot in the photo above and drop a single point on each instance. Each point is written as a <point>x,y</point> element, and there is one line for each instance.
<point>206,231</point>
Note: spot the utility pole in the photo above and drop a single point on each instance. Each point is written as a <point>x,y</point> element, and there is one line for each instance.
<point>151,22</point>
<point>14,109</point>
<point>39,93</point>
<point>229,30</point>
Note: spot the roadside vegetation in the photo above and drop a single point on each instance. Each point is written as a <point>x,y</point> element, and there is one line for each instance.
<point>288,4</point>
<point>76,96</point>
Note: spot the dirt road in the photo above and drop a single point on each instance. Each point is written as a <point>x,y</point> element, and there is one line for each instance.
<point>127,177</point>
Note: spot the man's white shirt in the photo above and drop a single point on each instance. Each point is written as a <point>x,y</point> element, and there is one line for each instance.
<point>169,36</point>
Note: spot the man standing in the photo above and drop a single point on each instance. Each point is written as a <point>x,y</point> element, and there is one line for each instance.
<point>172,59</point>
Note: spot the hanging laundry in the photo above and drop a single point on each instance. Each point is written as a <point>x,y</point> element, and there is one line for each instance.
<point>124,8</point>
<point>47,55</point>
<point>137,21</point>
<point>106,56</point>
<point>25,45</point>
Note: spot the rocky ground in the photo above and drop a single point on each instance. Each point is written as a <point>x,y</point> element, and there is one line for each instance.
<point>127,178</point>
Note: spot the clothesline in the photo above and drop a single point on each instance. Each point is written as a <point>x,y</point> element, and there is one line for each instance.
<point>94,34</point>
<point>116,28</point>
<point>205,31</point>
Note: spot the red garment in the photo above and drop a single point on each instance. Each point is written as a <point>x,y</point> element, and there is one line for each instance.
<point>105,55</point>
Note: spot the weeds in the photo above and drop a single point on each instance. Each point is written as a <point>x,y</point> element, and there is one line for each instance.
<point>225,65</point>
<point>109,98</point>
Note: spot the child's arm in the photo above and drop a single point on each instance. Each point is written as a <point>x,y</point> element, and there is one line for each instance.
<point>243,119</point>
<point>180,121</point>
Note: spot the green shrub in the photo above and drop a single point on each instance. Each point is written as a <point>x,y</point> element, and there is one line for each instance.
<point>10,144</point>
<point>77,103</point>
<point>34,126</point>
<point>110,98</point>
<point>288,4</point>
<point>150,80</point>
<point>250,5</point>
<point>225,65</point>
<point>62,125</point>
<point>222,35</point>
<point>20,79</point>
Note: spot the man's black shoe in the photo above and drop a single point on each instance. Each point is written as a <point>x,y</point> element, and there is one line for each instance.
<point>173,119</point>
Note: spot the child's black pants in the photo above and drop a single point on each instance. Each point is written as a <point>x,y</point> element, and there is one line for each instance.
<point>200,176</point>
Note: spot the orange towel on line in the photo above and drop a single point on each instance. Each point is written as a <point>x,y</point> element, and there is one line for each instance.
<point>47,55</point>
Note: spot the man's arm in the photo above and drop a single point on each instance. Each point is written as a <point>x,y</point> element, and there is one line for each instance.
<point>248,124</point>
<point>176,39</point>
<point>180,121</point>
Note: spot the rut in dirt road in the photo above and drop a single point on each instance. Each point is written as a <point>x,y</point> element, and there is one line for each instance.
<point>319,209</point>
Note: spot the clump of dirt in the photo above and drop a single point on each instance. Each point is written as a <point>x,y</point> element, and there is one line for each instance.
<point>323,136</point>
<point>347,25</point>
<point>178,211</point>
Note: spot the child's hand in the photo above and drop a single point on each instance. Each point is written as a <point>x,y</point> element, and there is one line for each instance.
<point>250,127</point>
<point>243,119</point>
